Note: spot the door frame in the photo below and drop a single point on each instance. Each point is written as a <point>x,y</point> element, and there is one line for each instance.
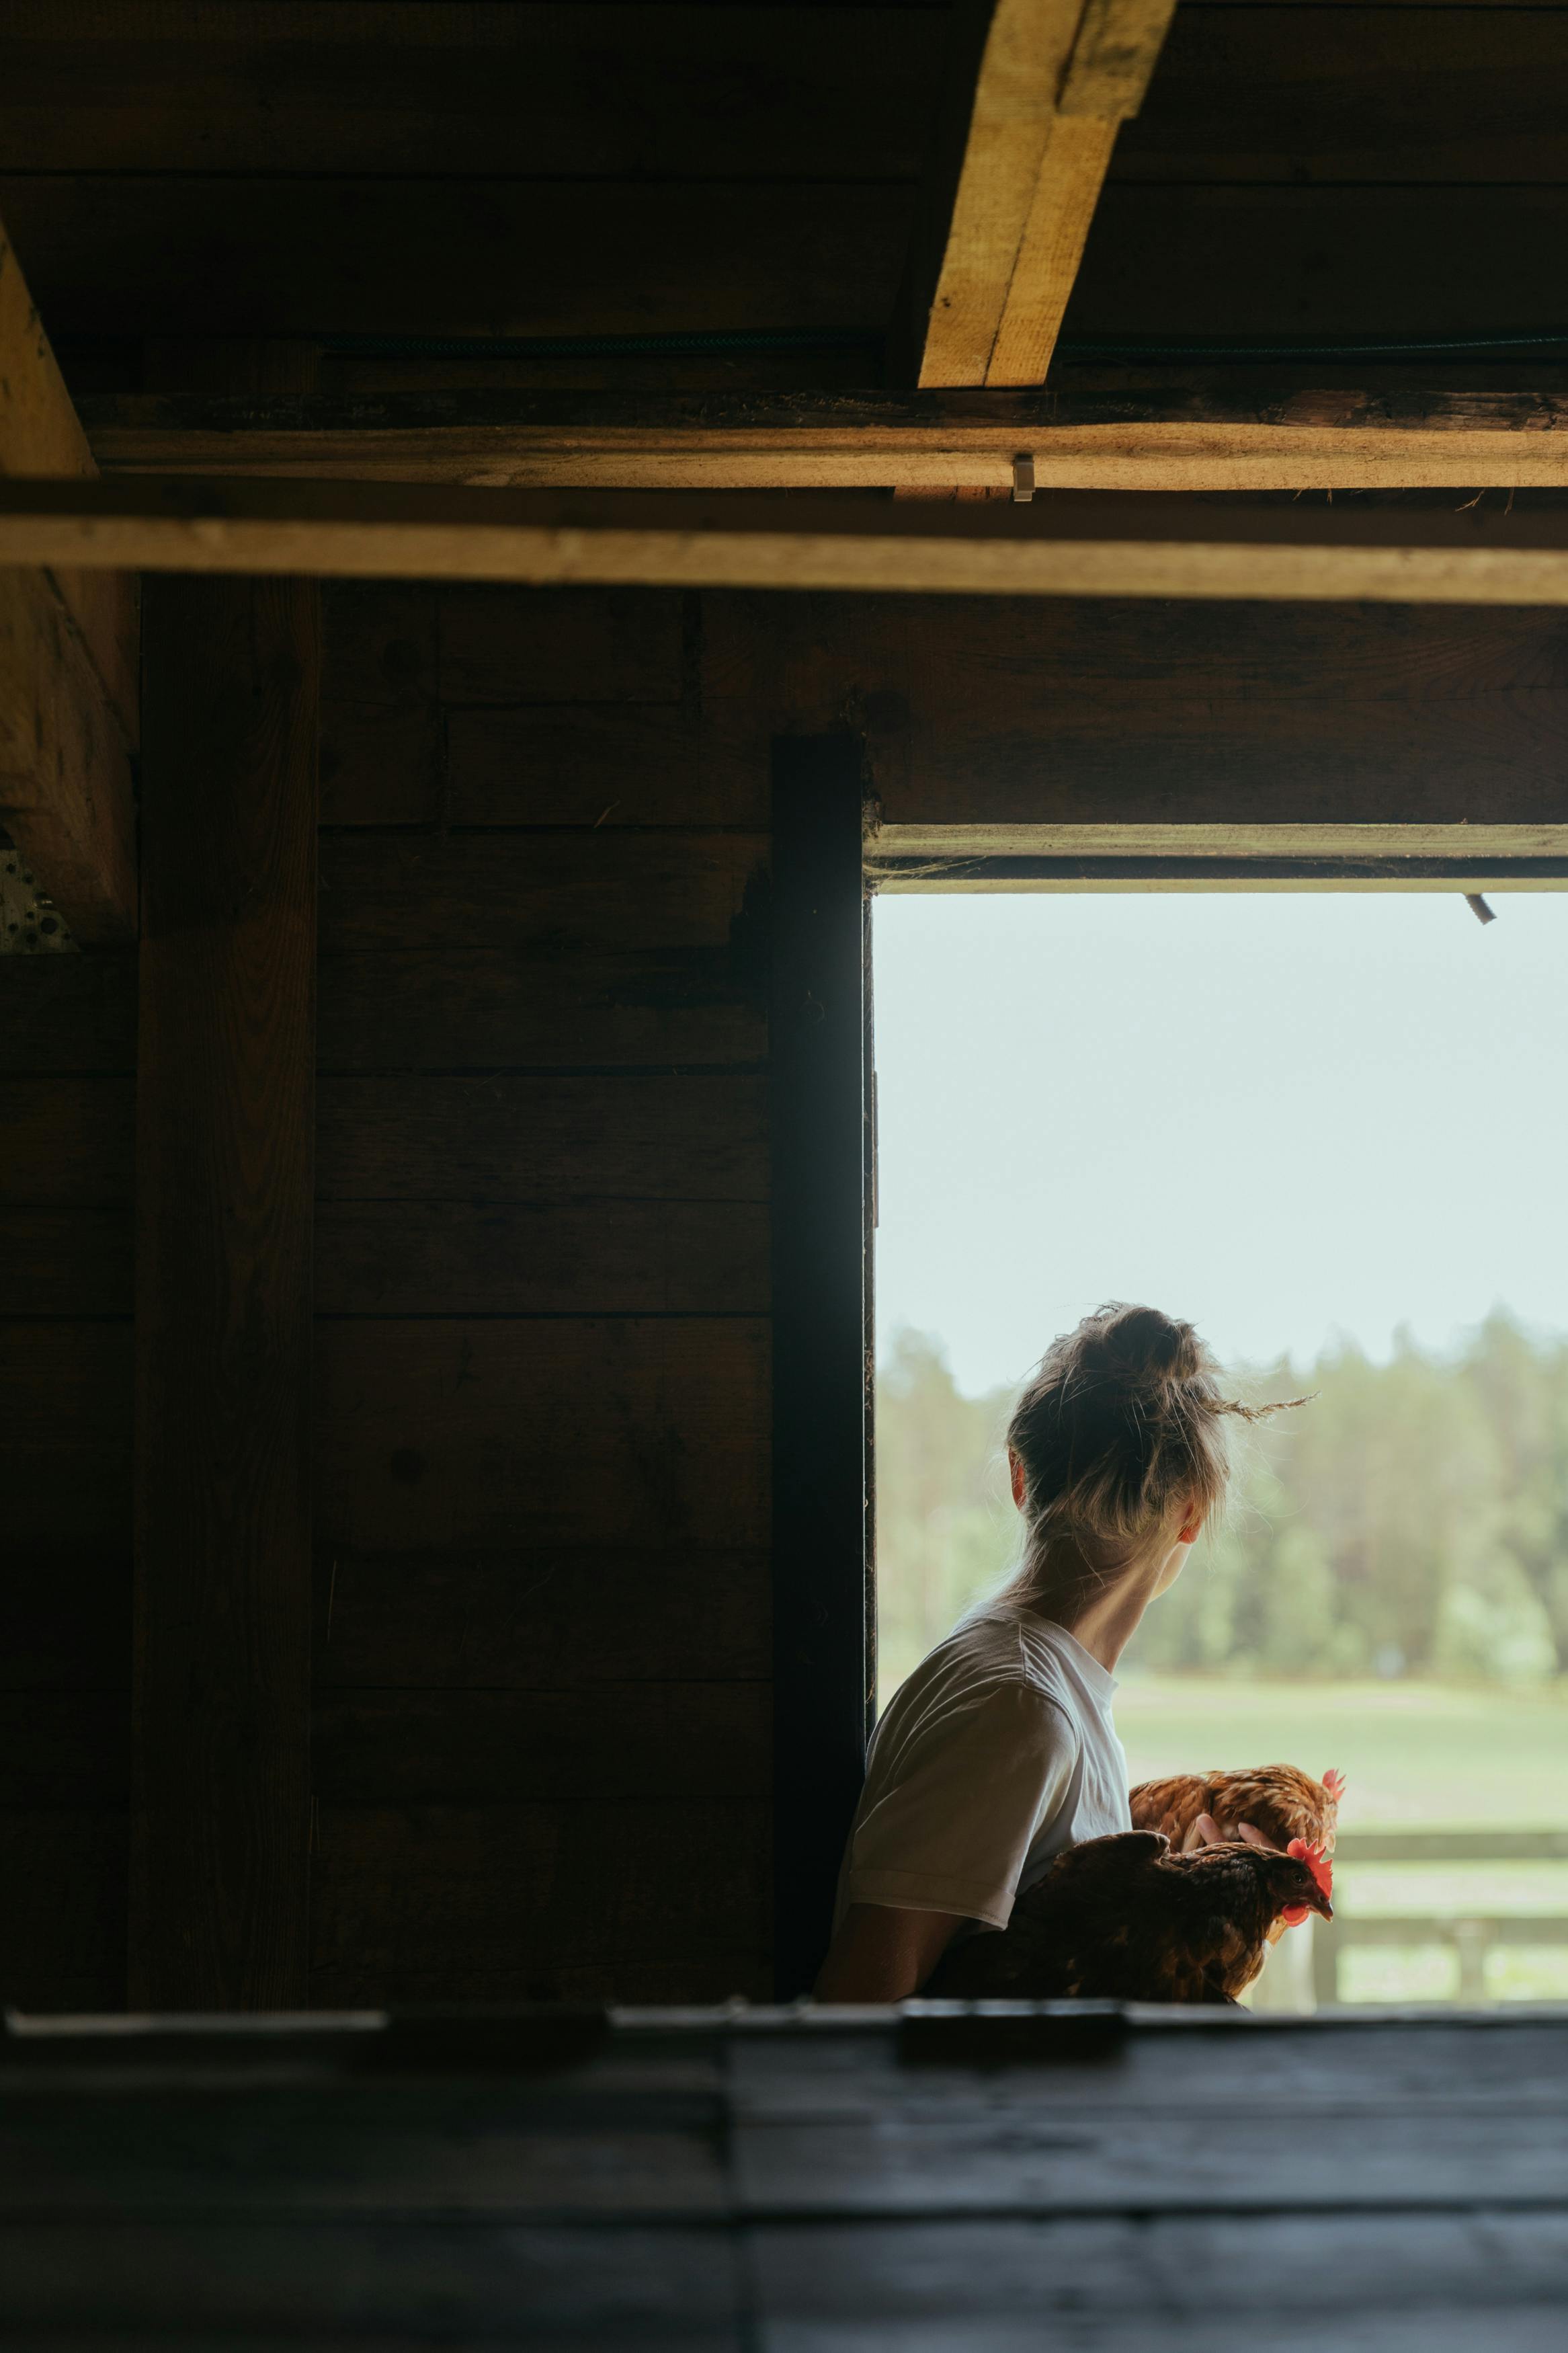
<point>830,860</point>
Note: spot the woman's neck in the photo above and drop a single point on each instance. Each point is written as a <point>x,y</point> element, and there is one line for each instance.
<point>1101,1611</point>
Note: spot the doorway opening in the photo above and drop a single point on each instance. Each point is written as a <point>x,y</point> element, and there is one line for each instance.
<point>1330,1128</point>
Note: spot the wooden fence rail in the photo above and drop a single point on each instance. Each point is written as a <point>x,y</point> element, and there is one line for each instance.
<point>1471,1936</point>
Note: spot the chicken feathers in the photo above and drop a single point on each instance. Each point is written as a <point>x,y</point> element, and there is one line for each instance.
<point>1129,1919</point>
<point>1281,1802</point>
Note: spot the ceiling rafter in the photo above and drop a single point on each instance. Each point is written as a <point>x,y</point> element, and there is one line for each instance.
<point>1069,546</point>
<point>67,663</point>
<point>1040,89</point>
<point>1182,438</point>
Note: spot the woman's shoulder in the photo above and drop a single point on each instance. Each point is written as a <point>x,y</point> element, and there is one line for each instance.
<point>980,1694</point>
<point>988,1656</point>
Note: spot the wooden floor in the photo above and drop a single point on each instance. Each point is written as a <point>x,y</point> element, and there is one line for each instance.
<point>764,2181</point>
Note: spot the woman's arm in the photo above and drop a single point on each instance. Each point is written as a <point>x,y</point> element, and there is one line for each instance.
<point>883,1953</point>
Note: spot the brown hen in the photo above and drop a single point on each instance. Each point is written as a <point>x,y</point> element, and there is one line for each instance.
<point>1281,1802</point>
<point>1130,1919</point>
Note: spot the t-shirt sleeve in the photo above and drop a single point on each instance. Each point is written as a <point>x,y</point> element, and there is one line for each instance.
<point>951,1831</point>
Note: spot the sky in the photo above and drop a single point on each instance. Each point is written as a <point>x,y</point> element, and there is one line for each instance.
<point>1293,1117</point>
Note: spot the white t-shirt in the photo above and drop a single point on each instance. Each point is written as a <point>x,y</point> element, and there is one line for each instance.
<point>997,1754</point>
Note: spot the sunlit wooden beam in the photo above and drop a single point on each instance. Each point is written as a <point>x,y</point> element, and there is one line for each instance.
<point>1181,437</point>
<point>1001,236</point>
<point>67,663</point>
<point>1065,545</point>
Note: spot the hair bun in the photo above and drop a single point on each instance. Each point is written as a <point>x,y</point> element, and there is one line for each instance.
<point>1123,1421</point>
<point>1150,1349</point>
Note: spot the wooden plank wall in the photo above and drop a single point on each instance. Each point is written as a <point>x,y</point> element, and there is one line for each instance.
<point>541,1626</point>
<point>316,168</point>
<point>419,168</point>
<point>68,1050</point>
<point>1004,710</point>
<point>542,1729</point>
<point>1317,168</point>
<point>542,1636</point>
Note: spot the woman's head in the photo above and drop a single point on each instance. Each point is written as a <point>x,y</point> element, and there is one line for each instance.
<point>1119,1443</point>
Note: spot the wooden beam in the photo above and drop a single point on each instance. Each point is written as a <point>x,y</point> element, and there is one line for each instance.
<point>1186,436</point>
<point>67,663</point>
<point>220,1799</point>
<point>1054,81</point>
<point>1112,61</point>
<point>1243,856</point>
<point>1064,546</point>
<point>824,1665</point>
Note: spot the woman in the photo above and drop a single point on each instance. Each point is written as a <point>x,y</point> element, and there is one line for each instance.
<point>1000,1750</point>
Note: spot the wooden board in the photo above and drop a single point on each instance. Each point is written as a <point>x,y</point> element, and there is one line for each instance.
<point>1065,713</point>
<point>361,2152</point>
<point>452,1433</point>
<point>551,1142</point>
<point>607,765</point>
<point>605,91</point>
<point>1035,91</point>
<point>495,1008</point>
<point>66,798</point>
<point>69,1013</point>
<point>40,435</point>
<point>70,1142</point>
<point>597,1741</point>
<point>1495,758</point>
<point>1264,263</point>
<point>1315,94</point>
<point>381,752</point>
<point>540,1902</point>
<point>208,255</point>
<point>1065,546</point>
<point>1050,251</point>
<point>224,1147</point>
<point>496,2279</point>
<point>824,1670</point>
<point>66,1261</point>
<point>593,1256</point>
<point>645,2179</point>
<point>589,645</point>
<point>1114,53</point>
<point>65,1749</point>
<point>66,1396</point>
<point>601,896</point>
<point>539,1618</point>
<point>67,1627</point>
<point>68,1026</point>
<point>62,1883</point>
<point>1103,2280</point>
<point>1000,81</point>
<point>1243,2162</point>
<point>1174,431</point>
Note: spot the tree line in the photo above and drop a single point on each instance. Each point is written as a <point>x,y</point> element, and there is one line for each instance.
<point>1411,1520</point>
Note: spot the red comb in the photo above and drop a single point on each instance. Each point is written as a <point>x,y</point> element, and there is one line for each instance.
<point>1323,1871</point>
<point>1334,1783</point>
<point>1316,1862</point>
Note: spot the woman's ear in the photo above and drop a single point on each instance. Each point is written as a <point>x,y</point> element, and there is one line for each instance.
<point>1191,1528</point>
<point>1020,1487</point>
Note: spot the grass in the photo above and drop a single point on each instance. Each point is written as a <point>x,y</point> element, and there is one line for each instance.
<point>1415,1755</point>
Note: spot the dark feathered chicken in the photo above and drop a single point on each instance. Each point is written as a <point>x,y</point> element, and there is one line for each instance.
<point>1129,1919</point>
<point>1280,1801</point>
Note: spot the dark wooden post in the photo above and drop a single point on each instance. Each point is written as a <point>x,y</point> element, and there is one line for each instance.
<point>220,1806</point>
<point>822,1664</point>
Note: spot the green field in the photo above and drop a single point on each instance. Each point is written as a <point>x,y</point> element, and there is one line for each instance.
<point>1415,1755</point>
